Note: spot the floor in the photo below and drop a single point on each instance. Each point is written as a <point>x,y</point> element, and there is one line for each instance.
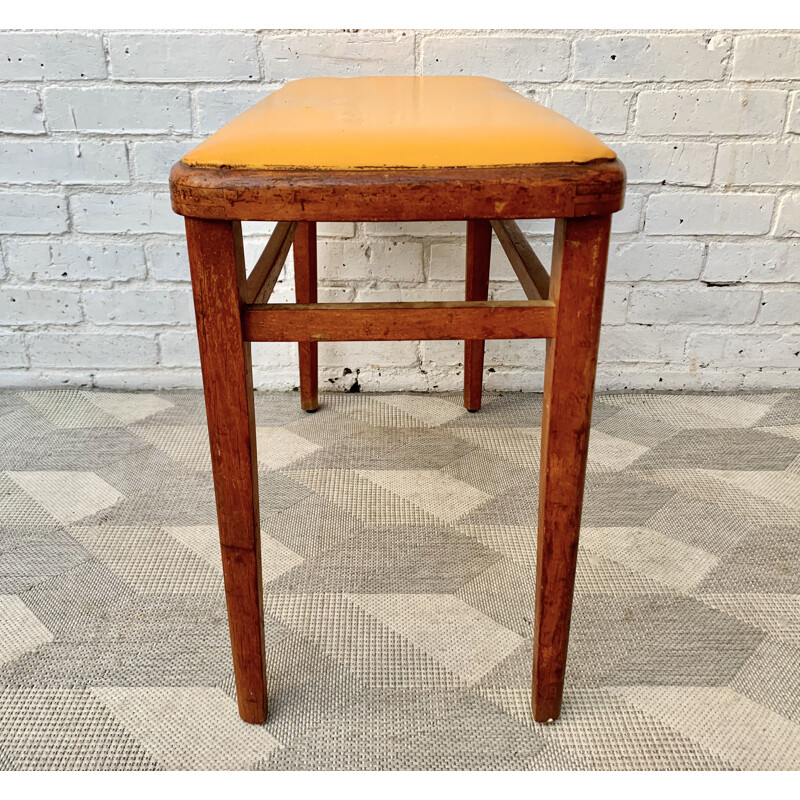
<point>399,557</point>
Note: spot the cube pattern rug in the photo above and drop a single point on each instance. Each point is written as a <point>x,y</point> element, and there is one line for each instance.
<point>399,550</point>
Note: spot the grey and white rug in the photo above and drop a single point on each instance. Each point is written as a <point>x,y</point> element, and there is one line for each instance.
<point>399,559</point>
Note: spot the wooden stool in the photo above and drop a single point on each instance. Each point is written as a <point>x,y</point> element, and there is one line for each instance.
<point>392,149</point>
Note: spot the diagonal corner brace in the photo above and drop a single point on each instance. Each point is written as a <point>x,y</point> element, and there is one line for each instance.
<point>262,279</point>
<point>531,272</point>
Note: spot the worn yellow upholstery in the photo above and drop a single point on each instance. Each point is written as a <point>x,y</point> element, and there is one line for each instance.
<point>361,123</point>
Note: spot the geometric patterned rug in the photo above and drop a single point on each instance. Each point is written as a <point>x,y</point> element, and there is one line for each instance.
<point>399,549</point>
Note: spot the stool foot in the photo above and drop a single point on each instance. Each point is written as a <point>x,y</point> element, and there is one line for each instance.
<point>576,286</point>
<point>479,246</point>
<point>218,282</point>
<point>309,376</point>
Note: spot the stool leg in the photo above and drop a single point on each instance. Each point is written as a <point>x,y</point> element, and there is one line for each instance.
<point>576,286</point>
<point>218,282</point>
<point>305,282</point>
<point>479,245</point>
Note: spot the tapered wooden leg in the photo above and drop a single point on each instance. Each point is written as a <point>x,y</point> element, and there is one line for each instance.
<point>305,282</point>
<point>479,245</point>
<point>218,282</point>
<point>576,286</point>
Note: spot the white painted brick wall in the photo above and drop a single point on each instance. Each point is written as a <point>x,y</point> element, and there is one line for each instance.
<point>704,273</point>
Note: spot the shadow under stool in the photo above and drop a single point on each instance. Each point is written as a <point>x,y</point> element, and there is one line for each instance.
<point>397,149</point>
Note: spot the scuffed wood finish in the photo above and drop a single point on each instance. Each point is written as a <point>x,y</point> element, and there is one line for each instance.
<point>532,274</point>
<point>479,248</point>
<point>264,275</point>
<point>541,191</point>
<point>577,282</point>
<point>305,280</point>
<point>231,313</point>
<point>398,322</point>
<point>218,282</point>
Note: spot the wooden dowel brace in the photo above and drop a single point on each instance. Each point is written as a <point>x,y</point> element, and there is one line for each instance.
<point>264,275</point>
<point>531,272</point>
<point>367,322</point>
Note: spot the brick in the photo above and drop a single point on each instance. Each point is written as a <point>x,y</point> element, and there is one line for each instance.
<point>22,111</point>
<point>788,223</point>
<point>152,161</point>
<point>22,306</point>
<point>599,111</point>
<point>756,262</point>
<point>745,350</point>
<point>138,307</point>
<point>442,353</point>
<point>364,355</point>
<point>750,163</point>
<point>75,261</point>
<point>51,56</point>
<point>421,293</point>
<point>794,114</point>
<point>25,212</point>
<point>63,162</point>
<point>90,261</point>
<point>515,353</point>
<point>670,163</point>
<point>25,257</point>
<point>448,262</point>
<point>780,307</point>
<point>715,306</point>
<point>381,259</point>
<point>453,228</point>
<point>12,351</point>
<point>710,111</point>
<point>634,343</point>
<point>92,351</point>
<point>118,109</point>
<point>143,212</point>
<point>181,57</point>
<point>654,261</point>
<point>615,304</point>
<point>218,106</point>
<point>507,58</point>
<point>764,57</point>
<point>694,214</point>
<point>268,355</point>
<point>629,219</point>
<point>497,291</point>
<point>168,261</point>
<point>624,58</point>
<point>179,349</point>
<point>336,55</point>
<point>336,230</point>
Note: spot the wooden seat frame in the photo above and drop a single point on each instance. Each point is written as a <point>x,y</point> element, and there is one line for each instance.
<point>563,307</point>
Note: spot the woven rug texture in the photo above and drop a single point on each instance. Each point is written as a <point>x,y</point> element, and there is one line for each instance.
<point>399,550</point>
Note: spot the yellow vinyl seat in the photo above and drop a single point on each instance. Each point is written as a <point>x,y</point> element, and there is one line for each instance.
<point>396,122</point>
